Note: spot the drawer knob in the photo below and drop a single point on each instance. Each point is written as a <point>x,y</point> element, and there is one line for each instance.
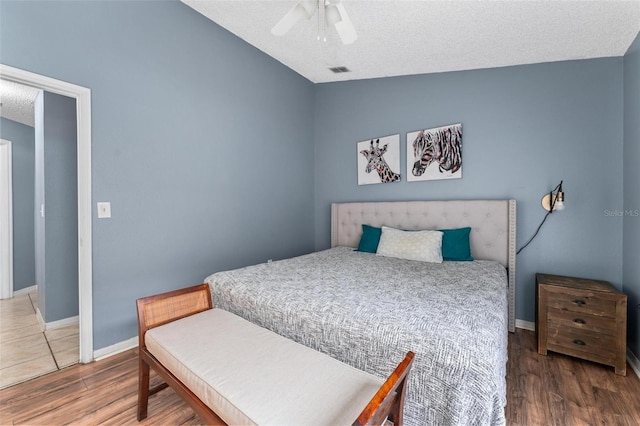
<point>579,342</point>
<point>579,321</point>
<point>579,302</point>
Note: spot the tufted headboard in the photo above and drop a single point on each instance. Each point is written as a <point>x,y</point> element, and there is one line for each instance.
<point>492,222</point>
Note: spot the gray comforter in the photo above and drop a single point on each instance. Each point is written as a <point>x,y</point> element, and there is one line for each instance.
<point>368,311</point>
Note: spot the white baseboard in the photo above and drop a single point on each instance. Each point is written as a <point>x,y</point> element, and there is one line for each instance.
<point>633,362</point>
<point>61,323</point>
<point>100,354</point>
<point>41,322</point>
<point>526,325</point>
<point>55,324</point>
<point>25,290</point>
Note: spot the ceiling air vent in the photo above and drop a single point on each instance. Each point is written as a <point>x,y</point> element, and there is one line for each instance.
<point>339,70</point>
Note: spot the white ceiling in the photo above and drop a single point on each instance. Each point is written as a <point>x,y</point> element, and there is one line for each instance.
<point>400,37</point>
<point>416,37</point>
<point>16,102</point>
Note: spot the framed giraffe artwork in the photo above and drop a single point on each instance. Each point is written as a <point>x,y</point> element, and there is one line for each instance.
<point>379,160</point>
<point>435,153</point>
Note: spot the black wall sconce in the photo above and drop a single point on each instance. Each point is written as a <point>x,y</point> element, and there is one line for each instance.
<point>552,202</point>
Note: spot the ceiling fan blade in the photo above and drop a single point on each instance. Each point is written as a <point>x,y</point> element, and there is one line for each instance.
<point>332,15</point>
<point>344,27</point>
<point>304,9</point>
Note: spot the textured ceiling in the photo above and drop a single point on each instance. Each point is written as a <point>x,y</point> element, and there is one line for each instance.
<point>417,37</point>
<point>17,102</point>
<point>413,37</point>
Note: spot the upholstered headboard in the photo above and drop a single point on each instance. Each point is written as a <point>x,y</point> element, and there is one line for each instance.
<point>492,222</point>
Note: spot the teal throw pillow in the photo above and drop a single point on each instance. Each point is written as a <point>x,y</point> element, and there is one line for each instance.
<point>455,244</point>
<point>370,239</point>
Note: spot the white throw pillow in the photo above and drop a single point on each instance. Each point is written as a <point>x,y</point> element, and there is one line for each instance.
<point>425,246</point>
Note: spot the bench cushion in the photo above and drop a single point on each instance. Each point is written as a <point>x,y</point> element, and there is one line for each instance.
<point>250,375</point>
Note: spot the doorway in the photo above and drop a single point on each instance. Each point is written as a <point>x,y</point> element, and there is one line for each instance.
<point>82,96</point>
<point>6,221</point>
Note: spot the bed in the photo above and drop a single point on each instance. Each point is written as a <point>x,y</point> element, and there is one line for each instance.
<point>455,316</point>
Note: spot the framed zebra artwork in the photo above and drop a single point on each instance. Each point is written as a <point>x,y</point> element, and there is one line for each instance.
<point>435,153</point>
<point>379,160</point>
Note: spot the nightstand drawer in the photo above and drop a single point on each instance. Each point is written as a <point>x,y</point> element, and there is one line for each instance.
<point>582,302</point>
<point>582,321</point>
<point>586,345</point>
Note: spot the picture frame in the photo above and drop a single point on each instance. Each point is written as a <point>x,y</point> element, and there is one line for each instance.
<point>435,153</point>
<point>379,160</point>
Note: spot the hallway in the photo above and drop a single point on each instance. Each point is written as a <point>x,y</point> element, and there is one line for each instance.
<point>25,351</point>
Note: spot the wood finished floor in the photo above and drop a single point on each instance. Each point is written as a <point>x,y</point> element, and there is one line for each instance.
<point>551,390</point>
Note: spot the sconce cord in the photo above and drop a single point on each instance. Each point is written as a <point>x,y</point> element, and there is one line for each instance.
<point>553,203</point>
<point>535,233</point>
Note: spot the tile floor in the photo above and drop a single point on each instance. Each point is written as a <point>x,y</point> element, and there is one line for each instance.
<point>25,351</point>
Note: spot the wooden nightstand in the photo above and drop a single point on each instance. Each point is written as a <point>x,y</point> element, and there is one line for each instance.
<point>582,318</point>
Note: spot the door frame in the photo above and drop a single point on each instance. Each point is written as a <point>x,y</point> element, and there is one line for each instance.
<point>82,95</point>
<point>6,224</point>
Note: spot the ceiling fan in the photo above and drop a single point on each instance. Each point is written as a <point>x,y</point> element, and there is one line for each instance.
<point>334,15</point>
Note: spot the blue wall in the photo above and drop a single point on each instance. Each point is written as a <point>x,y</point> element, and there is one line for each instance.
<point>524,129</point>
<point>23,152</point>
<point>202,144</point>
<point>215,156</point>
<point>632,191</point>
<point>61,208</point>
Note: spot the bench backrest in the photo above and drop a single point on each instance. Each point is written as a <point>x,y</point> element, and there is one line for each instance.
<point>154,311</point>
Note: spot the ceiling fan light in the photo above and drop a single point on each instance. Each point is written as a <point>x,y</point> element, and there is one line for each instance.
<point>332,15</point>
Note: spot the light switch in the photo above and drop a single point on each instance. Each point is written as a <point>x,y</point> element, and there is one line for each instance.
<point>104,210</point>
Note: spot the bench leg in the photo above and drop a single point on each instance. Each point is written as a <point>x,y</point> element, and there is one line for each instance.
<point>143,389</point>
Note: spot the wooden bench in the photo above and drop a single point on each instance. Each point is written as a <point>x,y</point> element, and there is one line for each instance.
<point>231,371</point>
